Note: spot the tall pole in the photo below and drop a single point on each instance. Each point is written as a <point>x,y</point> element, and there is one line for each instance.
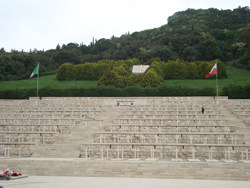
<point>37,81</point>
<point>217,77</point>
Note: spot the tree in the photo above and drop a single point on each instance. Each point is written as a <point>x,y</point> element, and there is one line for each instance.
<point>175,70</point>
<point>2,50</point>
<point>65,72</point>
<point>58,47</point>
<point>208,47</point>
<point>121,71</point>
<point>151,78</point>
<point>108,78</point>
<point>203,70</point>
<point>192,72</point>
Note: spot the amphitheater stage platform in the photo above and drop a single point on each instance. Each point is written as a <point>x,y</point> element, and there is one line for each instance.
<point>130,168</point>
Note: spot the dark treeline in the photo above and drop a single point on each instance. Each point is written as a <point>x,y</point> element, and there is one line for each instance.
<point>191,35</point>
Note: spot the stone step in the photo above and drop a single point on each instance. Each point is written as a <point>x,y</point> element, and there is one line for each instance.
<point>233,171</point>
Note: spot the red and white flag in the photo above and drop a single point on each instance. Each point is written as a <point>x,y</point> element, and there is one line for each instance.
<point>213,71</point>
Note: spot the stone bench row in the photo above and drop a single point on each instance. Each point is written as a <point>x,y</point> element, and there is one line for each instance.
<point>169,112</point>
<point>53,110</point>
<point>242,114</point>
<point>170,105</point>
<point>244,117</point>
<point>167,116</point>
<point>179,137</point>
<point>40,138</point>
<point>169,128</point>
<point>63,107</point>
<point>168,109</point>
<point>173,121</point>
<point>48,122</point>
<point>29,104</point>
<point>231,106</point>
<point>5,110</point>
<point>173,106</point>
<point>27,132</point>
<point>29,121</point>
<point>37,128</point>
<point>17,150</point>
<point>60,109</point>
<point>177,152</point>
<point>177,99</point>
<point>43,116</point>
<point>236,110</point>
<point>13,105</point>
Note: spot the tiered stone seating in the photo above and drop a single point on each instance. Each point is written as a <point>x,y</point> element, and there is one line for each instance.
<point>24,127</point>
<point>141,137</point>
<point>171,131</point>
<point>242,111</point>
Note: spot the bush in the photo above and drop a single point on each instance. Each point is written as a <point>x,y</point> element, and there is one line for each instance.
<point>133,91</point>
<point>151,78</point>
<point>110,91</point>
<point>65,72</point>
<point>236,91</point>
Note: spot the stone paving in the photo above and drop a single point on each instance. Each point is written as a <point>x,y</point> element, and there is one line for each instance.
<point>92,182</point>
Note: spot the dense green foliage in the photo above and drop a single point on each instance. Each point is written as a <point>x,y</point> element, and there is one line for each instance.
<point>236,91</point>
<point>191,35</point>
<point>93,71</point>
<point>118,73</point>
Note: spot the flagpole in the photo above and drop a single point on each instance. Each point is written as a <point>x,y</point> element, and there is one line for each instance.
<point>217,78</point>
<point>37,81</point>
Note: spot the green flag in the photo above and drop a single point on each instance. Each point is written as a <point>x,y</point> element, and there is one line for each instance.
<point>35,71</point>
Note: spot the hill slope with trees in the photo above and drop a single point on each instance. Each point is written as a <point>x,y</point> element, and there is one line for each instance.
<point>191,35</point>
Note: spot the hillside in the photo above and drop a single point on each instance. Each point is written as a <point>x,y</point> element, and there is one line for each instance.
<point>191,35</point>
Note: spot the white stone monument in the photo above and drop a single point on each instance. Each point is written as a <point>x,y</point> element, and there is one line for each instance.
<point>210,156</point>
<point>7,151</point>
<point>193,156</point>
<point>228,155</point>
<point>176,156</point>
<point>246,152</point>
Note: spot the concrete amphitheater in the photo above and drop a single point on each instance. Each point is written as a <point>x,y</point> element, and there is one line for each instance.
<point>156,141</point>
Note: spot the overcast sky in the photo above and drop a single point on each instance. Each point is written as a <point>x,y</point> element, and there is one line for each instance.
<point>42,24</point>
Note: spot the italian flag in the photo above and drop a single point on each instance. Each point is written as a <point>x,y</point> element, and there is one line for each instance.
<point>35,71</point>
<point>213,71</point>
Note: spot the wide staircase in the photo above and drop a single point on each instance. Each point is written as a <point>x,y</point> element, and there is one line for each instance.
<point>168,137</point>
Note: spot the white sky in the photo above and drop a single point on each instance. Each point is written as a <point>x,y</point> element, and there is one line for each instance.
<point>42,24</point>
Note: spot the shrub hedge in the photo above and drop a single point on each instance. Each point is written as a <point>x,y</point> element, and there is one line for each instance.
<point>108,91</point>
<point>232,91</point>
<point>236,91</point>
